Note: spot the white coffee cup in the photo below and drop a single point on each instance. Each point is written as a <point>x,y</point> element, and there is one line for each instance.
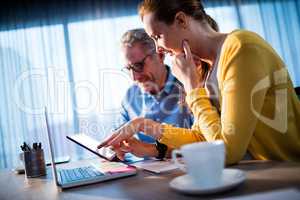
<point>204,162</point>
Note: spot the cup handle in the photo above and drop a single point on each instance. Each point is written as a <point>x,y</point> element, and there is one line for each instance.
<point>175,160</point>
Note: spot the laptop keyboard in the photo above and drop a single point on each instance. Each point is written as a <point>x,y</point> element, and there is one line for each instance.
<point>76,174</point>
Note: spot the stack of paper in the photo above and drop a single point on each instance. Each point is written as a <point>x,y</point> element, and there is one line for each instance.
<point>156,166</point>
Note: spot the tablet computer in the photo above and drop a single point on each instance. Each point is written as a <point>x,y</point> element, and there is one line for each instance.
<point>91,144</point>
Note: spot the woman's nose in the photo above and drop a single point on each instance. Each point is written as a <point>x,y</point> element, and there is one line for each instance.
<point>159,49</point>
<point>156,47</point>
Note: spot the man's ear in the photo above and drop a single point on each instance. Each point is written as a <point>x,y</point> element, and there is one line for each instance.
<point>181,19</point>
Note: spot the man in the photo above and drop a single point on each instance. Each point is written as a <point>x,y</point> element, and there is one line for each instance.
<point>156,94</point>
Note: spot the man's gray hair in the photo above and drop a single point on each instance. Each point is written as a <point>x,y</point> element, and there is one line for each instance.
<point>138,36</point>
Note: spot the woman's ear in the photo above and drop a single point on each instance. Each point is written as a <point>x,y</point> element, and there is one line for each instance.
<point>181,19</point>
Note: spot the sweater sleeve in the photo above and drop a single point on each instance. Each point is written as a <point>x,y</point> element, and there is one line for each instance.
<point>175,137</point>
<point>241,75</point>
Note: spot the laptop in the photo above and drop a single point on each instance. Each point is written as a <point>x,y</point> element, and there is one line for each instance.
<point>83,173</point>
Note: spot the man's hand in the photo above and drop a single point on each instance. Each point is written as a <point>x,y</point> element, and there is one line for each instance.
<point>137,148</point>
<point>124,133</point>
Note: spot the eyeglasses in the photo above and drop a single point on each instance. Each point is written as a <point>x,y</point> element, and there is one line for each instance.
<point>137,67</point>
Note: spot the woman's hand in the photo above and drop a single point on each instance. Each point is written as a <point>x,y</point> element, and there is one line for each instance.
<point>185,69</point>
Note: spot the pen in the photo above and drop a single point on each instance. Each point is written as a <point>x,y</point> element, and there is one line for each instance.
<point>26,147</point>
<point>35,146</point>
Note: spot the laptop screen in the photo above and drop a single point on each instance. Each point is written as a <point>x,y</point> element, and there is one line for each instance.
<point>54,173</point>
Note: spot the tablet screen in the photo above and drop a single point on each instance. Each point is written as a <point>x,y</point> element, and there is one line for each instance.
<point>91,144</point>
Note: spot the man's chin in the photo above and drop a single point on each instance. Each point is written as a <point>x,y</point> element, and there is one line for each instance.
<point>146,88</point>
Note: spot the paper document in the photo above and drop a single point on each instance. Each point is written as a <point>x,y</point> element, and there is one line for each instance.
<point>156,166</point>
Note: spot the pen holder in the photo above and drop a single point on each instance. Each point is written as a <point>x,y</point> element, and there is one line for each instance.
<point>34,163</point>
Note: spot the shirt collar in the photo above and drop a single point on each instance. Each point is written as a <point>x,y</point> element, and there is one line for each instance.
<point>169,82</point>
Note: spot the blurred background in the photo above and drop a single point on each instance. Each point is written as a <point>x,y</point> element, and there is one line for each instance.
<point>65,54</point>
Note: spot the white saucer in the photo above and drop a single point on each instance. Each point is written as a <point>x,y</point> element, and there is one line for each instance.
<point>230,178</point>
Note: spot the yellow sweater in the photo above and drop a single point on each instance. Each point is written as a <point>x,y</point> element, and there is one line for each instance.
<point>260,112</point>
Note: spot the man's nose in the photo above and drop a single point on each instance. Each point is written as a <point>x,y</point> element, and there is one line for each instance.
<point>136,76</point>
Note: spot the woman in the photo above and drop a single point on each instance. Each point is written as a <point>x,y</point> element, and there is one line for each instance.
<point>255,110</point>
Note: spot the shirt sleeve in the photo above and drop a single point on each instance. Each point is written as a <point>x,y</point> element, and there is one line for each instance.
<point>122,117</point>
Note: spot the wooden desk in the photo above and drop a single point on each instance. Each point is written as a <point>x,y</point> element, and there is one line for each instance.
<point>261,177</point>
